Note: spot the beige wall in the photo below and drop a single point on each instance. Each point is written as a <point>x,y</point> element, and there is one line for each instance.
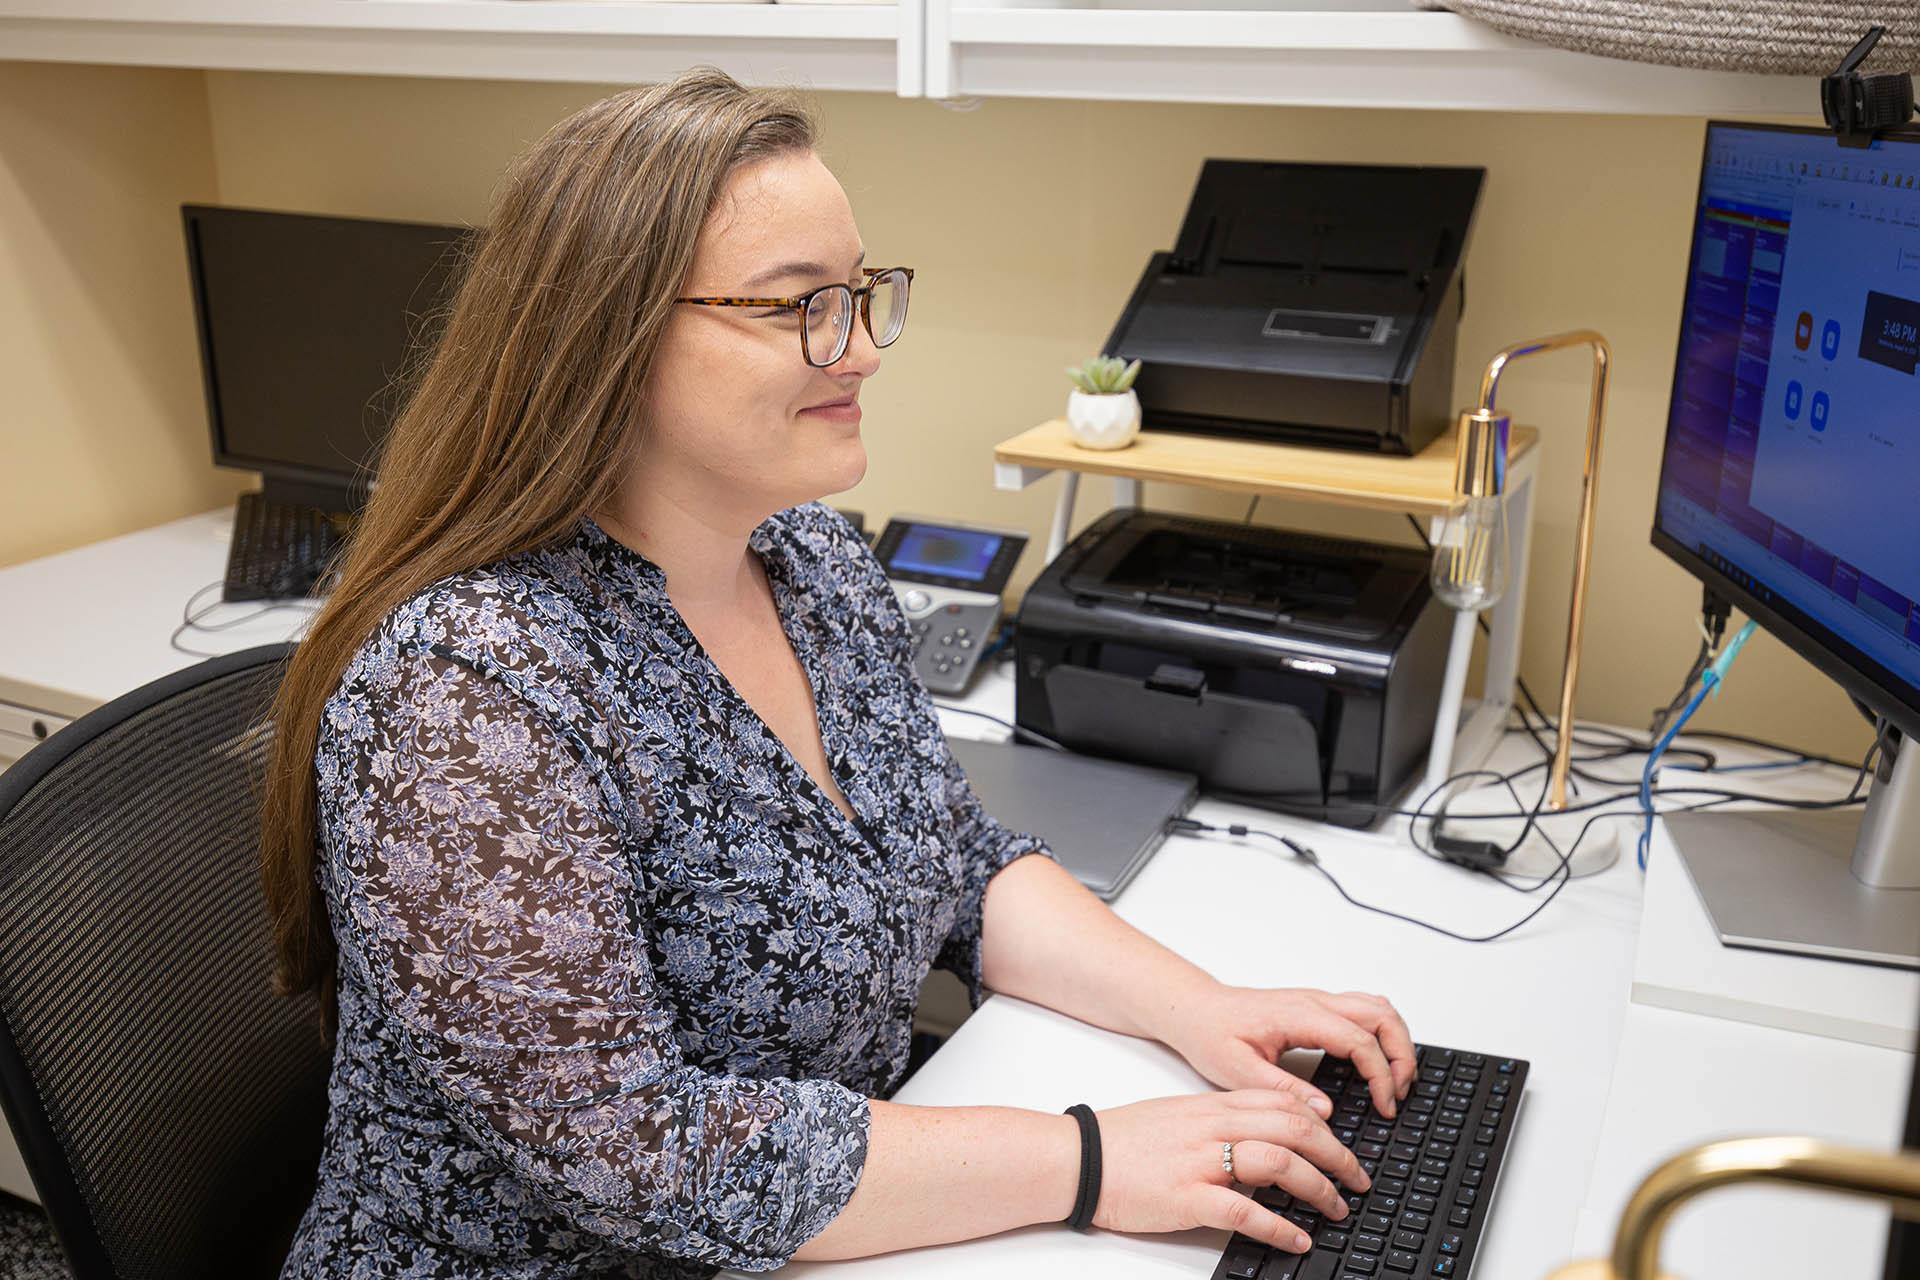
<point>1029,222</point>
<point>102,428</point>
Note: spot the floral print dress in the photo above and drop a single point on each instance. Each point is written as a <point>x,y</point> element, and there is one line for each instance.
<point>616,978</point>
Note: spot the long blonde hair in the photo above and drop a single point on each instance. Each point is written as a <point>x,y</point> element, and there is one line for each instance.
<point>525,411</point>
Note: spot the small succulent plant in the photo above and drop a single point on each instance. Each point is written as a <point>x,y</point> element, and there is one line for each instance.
<point>1105,375</point>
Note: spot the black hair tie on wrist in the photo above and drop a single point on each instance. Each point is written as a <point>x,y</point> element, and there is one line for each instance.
<point>1084,1204</point>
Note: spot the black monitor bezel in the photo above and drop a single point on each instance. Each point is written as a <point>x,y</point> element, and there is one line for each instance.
<point>1856,672</point>
<point>353,483</point>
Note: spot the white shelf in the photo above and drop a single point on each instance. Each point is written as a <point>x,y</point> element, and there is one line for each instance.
<point>1370,54</point>
<point>1345,53</point>
<point>824,46</point>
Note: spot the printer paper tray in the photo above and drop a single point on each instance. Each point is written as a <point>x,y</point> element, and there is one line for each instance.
<point>1232,743</point>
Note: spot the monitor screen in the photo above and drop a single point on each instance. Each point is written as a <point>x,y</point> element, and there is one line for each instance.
<point>305,324</point>
<point>1792,460</point>
<point>965,554</point>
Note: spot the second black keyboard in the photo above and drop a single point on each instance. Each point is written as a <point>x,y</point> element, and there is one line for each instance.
<point>1433,1170</point>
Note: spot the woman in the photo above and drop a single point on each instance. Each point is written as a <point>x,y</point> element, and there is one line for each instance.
<point>608,808</point>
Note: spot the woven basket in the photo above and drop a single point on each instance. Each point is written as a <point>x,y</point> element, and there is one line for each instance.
<point>1783,37</point>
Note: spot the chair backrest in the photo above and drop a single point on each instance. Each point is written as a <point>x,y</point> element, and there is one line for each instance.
<point>167,1103</point>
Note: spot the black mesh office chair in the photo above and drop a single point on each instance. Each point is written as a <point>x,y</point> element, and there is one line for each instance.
<point>168,1104</point>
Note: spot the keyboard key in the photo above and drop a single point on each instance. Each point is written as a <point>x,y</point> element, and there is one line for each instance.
<point>1502,1086</point>
<point>1355,1201</point>
<point>1452,1118</point>
<point>1374,1150</point>
<point>1440,1150</point>
<point>1473,1060</point>
<point>1401,1260</point>
<point>1377,1224</point>
<point>1426,1090</point>
<point>1466,1196</point>
<point>1282,1266</point>
<point>1446,1133</point>
<point>1392,1186</point>
<point>1320,1265</point>
<point>1433,1075</point>
<point>1428,1183</point>
<point>1443,1266</point>
<point>1422,1204</point>
<point>1472,1177</point>
<point>1388,1205</point>
<point>1403,1151</point>
<point>1412,1221</point>
<point>1485,1135</point>
<point>1362,1264</point>
<point>1477,1159</point>
<point>1377,1132</point>
<point>1422,1105</point>
<point>1450,1243</point>
<point>1505,1066</point>
<point>1370,1242</point>
<point>1460,1217</point>
<point>1408,1240</point>
<point>1335,1240</point>
<point>1438,1168</point>
<point>1397,1169</point>
<point>1244,1259</point>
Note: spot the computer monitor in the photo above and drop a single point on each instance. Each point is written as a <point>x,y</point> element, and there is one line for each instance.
<point>1790,485</point>
<point>305,323</point>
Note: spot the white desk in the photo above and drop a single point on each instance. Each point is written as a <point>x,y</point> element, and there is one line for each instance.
<point>1616,1086</point>
<point>87,625</point>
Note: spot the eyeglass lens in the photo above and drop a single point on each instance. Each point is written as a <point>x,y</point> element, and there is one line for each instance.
<point>829,318</point>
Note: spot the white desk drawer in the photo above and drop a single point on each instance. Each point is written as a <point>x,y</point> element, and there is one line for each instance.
<point>22,729</point>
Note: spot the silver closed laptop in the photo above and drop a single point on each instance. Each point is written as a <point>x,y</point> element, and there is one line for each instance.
<point>1102,819</point>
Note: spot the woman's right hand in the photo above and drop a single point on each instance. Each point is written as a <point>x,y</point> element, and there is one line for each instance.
<point>1161,1165</point>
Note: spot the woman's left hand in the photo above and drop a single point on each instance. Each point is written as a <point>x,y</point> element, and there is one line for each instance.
<point>1234,1037</point>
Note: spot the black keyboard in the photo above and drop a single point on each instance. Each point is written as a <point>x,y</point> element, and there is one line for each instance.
<point>1433,1172</point>
<point>278,550</point>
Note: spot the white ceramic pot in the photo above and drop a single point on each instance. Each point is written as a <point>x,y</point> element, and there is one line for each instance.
<point>1103,422</point>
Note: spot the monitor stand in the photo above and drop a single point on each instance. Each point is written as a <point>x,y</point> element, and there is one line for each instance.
<point>1838,884</point>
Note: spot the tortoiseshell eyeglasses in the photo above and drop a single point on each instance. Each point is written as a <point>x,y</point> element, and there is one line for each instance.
<point>826,313</point>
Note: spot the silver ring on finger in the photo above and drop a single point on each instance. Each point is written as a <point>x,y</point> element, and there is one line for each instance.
<point>1226,1157</point>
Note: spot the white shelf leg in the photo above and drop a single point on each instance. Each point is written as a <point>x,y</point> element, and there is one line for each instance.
<point>1126,492</point>
<point>1063,514</point>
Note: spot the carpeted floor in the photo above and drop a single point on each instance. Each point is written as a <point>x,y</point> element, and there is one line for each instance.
<point>28,1250</point>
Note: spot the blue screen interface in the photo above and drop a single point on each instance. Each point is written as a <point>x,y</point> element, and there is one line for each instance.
<point>1793,440</point>
<point>946,553</point>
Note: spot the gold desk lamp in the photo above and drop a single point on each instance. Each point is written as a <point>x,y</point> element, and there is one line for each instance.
<point>1471,553</point>
<point>1889,1176</point>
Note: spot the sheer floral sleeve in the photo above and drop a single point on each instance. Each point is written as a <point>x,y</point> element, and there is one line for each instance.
<point>481,876</point>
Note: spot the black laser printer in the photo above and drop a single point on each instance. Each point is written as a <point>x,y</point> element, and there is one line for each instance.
<point>1310,303</point>
<point>1286,669</point>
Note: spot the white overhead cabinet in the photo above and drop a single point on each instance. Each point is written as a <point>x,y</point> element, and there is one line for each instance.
<point>1349,53</point>
<point>822,46</point>
<point>1346,53</point>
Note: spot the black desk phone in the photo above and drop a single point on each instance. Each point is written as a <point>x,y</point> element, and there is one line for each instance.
<point>948,577</point>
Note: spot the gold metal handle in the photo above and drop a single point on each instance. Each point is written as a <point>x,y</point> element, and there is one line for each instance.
<point>1807,1162</point>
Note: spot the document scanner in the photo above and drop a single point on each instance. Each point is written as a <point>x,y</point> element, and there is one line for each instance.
<point>1311,303</point>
